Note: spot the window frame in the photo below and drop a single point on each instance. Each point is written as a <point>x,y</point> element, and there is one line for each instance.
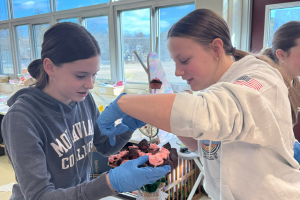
<point>111,9</point>
<point>267,17</point>
<point>154,32</point>
<point>243,27</point>
<point>30,23</point>
<point>2,27</point>
<point>34,39</point>
<point>11,14</point>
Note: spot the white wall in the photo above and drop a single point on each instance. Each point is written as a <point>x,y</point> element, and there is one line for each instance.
<point>215,5</point>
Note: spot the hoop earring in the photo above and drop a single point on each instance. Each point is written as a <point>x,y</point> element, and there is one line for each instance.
<point>51,81</point>
<point>281,61</point>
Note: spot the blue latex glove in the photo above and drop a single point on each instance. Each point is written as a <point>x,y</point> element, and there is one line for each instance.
<point>106,121</point>
<point>128,177</point>
<point>297,151</point>
<point>132,123</point>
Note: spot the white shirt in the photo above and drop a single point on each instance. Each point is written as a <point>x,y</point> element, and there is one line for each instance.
<point>245,134</point>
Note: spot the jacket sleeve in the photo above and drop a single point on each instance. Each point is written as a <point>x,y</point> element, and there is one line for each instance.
<point>227,112</point>
<point>101,142</point>
<point>26,151</point>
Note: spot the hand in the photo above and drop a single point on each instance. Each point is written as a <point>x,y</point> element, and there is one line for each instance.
<point>128,177</point>
<point>106,121</point>
<point>132,123</point>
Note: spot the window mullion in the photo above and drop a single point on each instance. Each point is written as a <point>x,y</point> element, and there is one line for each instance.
<point>80,20</point>
<point>157,30</point>
<point>152,29</point>
<point>10,9</point>
<point>113,40</point>
<point>15,48</point>
<point>52,6</point>
<point>1,63</point>
<point>31,43</point>
<point>118,73</point>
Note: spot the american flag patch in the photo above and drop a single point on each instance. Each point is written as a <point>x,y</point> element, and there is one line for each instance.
<point>249,82</point>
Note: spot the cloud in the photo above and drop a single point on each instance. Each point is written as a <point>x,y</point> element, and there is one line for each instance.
<point>27,5</point>
<point>163,13</point>
<point>136,21</point>
<point>184,7</point>
<point>22,1</point>
<point>164,24</point>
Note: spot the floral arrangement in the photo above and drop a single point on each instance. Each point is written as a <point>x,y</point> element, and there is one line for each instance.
<point>157,157</point>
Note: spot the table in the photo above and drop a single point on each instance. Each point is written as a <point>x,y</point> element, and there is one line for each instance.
<point>176,143</point>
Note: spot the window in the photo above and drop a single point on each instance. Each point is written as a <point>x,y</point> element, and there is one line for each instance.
<point>74,20</point>
<point>38,31</point>
<point>98,27</point>
<point>23,43</point>
<point>69,4</point>
<point>6,65</point>
<point>133,28</point>
<point>167,17</point>
<point>236,23</point>
<point>135,36</point>
<point>3,10</point>
<point>277,15</point>
<point>25,8</point>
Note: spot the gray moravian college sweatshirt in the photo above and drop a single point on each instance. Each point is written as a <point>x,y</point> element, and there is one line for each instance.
<point>49,145</point>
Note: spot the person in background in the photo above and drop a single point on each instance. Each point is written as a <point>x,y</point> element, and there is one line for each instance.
<point>240,122</point>
<point>285,52</point>
<point>50,128</point>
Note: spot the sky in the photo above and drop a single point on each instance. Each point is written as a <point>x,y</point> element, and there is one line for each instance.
<point>136,21</point>
<point>3,12</point>
<point>24,8</point>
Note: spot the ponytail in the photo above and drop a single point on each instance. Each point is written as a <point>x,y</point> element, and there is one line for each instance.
<point>269,52</point>
<point>36,70</point>
<point>238,54</point>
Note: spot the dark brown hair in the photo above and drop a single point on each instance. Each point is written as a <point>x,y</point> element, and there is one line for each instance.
<point>63,43</point>
<point>285,38</point>
<point>203,26</point>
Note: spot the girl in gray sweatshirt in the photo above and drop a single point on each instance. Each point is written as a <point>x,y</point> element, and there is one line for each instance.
<point>50,128</point>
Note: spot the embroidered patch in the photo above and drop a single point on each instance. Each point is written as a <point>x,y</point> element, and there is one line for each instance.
<point>249,82</point>
<point>210,152</point>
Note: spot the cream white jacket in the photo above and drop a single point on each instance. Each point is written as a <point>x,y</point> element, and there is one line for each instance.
<point>245,135</point>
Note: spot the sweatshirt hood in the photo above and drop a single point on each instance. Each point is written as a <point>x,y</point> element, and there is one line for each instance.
<point>40,99</point>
